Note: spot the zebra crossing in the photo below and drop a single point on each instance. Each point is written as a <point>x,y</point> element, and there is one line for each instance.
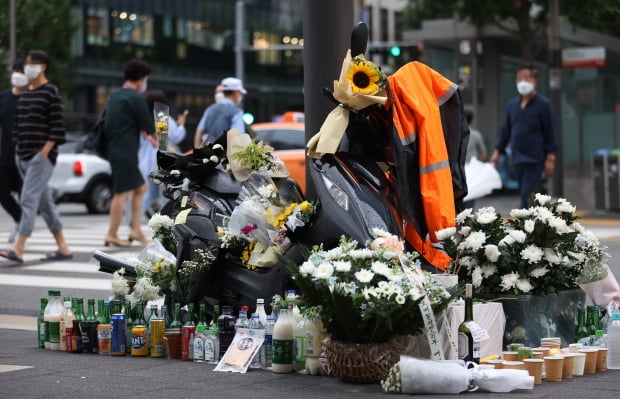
<point>22,285</point>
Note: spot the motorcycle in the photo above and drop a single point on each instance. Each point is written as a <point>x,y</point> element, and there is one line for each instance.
<point>355,193</point>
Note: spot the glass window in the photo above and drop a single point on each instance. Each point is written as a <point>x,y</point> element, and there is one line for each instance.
<point>204,34</point>
<point>97,22</point>
<point>282,139</point>
<point>132,28</point>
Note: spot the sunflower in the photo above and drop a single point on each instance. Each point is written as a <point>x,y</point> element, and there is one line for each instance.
<point>365,77</point>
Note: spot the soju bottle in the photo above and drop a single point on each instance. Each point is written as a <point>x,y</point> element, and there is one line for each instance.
<point>88,329</point>
<point>202,315</point>
<point>41,324</point>
<point>80,310</point>
<point>139,320</point>
<point>166,315</point>
<point>468,348</point>
<point>176,321</point>
<point>581,331</point>
<point>128,326</point>
<point>100,315</point>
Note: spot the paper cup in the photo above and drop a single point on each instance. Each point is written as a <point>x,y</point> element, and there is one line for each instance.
<point>513,364</point>
<point>534,367</point>
<point>579,361</point>
<point>553,367</point>
<point>545,350</point>
<point>574,348</point>
<point>567,367</point>
<point>509,355</point>
<point>601,359</point>
<point>496,363</point>
<point>537,354</point>
<point>591,358</point>
<point>514,347</point>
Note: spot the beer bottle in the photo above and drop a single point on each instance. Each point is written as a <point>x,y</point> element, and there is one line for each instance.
<point>88,328</point>
<point>468,349</point>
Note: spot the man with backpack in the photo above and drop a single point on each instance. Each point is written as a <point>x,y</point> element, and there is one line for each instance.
<point>222,116</point>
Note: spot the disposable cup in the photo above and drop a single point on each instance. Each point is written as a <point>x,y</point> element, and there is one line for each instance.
<point>538,354</point>
<point>591,357</point>
<point>579,361</point>
<point>534,367</point>
<point>497,363</point>
<point>567,367</point>
<point>574,348</point>
<point>513,364</point>
<point>553,368</point>
<point>545,350</point>
<point>514,347</point>
<point>509,355</point>
<point>601,359</point>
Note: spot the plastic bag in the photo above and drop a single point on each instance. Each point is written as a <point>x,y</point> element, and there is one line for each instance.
<point>482,179</point>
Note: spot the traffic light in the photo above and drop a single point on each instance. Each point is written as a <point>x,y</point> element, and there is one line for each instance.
<point>395,51</point>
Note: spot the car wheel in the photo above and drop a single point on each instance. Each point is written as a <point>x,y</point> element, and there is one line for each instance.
<point>98,197</point>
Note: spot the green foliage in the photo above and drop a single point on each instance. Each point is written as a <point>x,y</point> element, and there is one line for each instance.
<point>47,25</point>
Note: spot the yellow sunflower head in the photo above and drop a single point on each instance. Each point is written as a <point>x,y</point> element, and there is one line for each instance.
<point>365,77</point>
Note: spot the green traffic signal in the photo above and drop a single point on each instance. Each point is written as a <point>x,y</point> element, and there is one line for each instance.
<point>395,51</point>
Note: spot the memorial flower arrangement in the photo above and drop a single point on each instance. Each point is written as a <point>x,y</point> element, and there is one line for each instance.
<point>161,229</point>
<point>366,294</point>
<point>263,223</point>
<point>538,250</point>
<point>153,277</point>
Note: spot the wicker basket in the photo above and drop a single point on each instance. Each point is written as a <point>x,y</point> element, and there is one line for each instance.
<point>364,363</point>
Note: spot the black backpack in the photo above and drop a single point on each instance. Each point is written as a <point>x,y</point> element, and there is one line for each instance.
<point>95,141</point>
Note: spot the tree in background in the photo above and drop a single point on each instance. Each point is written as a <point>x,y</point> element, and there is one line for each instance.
<point>43,25</point>
<point>526,19</point>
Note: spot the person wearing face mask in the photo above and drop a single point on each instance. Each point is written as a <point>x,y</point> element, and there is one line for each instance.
<point>530,130</point>
<point>10,180</point>
<point>222,116</point>
<point>38,130</point>
<point>127,116</point>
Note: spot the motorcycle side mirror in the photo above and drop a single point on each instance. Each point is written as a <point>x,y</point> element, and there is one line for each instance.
<point>359,39</point>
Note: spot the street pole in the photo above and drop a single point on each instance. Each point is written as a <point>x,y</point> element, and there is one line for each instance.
<point>555,92</point>
<point>12,35</point>
<point>327,36</point>
<point>239,42</point>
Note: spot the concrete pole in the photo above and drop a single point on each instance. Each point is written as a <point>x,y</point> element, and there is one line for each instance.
<point>327,36</point>
<point>12,35</point>
<point>239,39</point>
<point>555,91</point>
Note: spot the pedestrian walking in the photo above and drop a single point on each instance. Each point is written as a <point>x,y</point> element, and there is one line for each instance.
<point>475,148</point>
<point>127,116</point>
<point>222,116</point>
<point>38,131</point>
<point>10,180</point>
<point>529,129</point>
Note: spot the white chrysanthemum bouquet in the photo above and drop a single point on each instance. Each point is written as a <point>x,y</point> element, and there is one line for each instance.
<point>366,294</point>
<point>538,250</point>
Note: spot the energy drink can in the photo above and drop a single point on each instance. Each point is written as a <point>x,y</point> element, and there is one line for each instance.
<point>119,340</point>
<point>138,341</point>
<point>158,347</point>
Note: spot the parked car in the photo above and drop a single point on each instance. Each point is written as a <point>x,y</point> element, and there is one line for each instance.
<point>289,141</point>
<point>81,177</point>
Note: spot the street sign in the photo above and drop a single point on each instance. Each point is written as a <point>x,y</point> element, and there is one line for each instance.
<point>583,57</point>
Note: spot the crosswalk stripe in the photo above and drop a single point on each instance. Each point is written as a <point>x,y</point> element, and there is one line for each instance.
<point>64,267</point>
<point>59,282</point>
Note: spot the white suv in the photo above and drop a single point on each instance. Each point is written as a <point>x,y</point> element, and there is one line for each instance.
<point>81,177</point>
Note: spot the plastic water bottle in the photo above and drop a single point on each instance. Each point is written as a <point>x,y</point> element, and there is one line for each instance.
<point>257,329</point>
<point>613,342</point>
<point>267,348</point>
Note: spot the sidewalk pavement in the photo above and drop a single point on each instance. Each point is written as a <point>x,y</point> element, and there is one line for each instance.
<point>29,372</point>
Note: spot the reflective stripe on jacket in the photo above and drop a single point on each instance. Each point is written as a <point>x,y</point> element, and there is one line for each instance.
<point>430,142</point>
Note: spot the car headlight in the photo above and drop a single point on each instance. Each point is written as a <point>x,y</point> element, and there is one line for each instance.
<point>336,193</point>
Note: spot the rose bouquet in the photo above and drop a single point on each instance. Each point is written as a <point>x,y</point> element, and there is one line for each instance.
<point>538,250</point>
<point>366,294</point>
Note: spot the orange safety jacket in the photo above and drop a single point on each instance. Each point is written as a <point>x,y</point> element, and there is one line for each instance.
<point>430,137</point>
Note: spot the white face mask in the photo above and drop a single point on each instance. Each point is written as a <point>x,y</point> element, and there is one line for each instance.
<point>18,79</point>
<point>219,96</point>
<point>239,99</point>
<point>524,87</point>
<point>32,71</point>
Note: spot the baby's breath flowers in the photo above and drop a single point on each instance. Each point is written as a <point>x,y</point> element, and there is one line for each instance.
<point>191,270</point>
